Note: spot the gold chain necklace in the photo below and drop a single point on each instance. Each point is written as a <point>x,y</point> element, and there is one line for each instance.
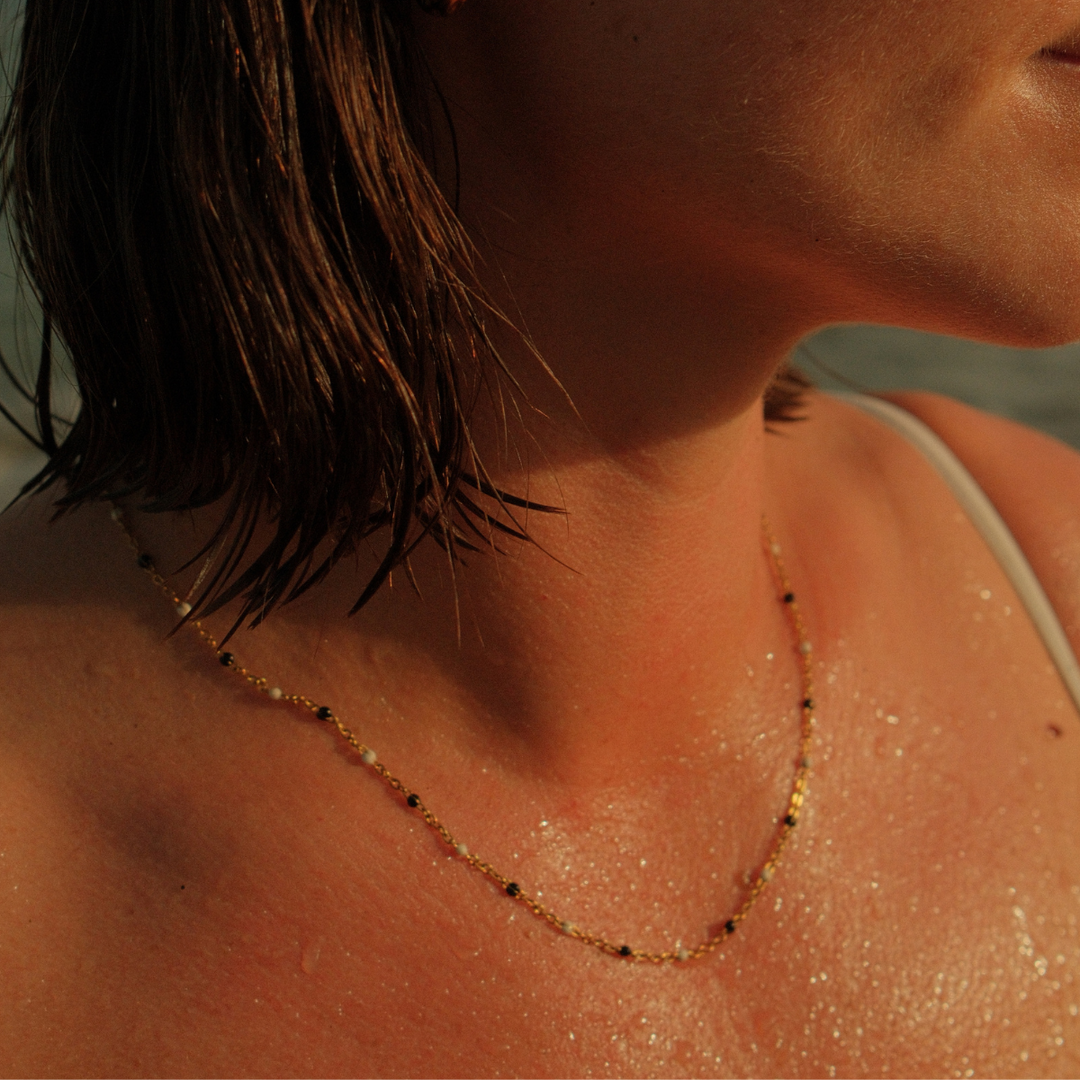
<point>758,881</point>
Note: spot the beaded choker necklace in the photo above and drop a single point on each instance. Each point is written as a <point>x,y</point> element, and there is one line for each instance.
<point>413,803</point>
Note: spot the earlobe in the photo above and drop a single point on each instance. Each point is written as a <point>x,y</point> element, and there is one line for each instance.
<point>440,7</point>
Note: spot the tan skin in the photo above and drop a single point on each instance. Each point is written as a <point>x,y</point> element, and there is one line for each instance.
<point>195,881</point>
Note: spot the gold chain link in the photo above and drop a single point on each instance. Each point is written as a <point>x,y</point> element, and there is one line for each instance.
<point>509,887</point>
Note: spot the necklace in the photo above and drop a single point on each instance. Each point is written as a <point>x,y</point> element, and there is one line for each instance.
<point>412,801</point>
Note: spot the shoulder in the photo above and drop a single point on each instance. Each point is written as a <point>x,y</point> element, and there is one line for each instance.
<point>1032,479</point>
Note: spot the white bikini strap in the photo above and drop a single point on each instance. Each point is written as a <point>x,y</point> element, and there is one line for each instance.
<point>988,522</point>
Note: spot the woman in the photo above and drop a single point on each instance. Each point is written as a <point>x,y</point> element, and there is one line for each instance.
<point>279,324</point>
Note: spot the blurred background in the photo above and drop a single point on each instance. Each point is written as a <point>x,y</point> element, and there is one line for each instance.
<point>1039,388</point>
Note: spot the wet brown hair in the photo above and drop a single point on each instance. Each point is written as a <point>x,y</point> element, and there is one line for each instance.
<point>231,217</point>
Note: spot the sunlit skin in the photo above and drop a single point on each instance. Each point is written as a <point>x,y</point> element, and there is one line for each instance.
<point>667,197</point>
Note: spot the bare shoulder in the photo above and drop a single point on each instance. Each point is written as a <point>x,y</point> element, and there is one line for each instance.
<point>66,603</point>
<point>48,573</point>
<point>1032,479</point>
<point>60,614</point>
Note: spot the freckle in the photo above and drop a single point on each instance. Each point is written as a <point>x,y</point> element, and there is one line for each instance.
<point>1055,731</point>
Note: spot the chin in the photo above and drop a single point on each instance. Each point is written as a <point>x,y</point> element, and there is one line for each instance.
<point>1036,308</point>
<point>999,328</point>
<point>1022,325</point>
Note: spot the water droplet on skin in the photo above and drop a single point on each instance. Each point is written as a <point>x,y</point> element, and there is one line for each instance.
<point>309,957</point>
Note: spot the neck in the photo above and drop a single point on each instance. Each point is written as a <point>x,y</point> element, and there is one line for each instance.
<point>629,628</point>
<point>635,628</point>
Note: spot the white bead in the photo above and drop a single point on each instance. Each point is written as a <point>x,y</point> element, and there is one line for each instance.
<point>183,609</point>
<point>775,549</point>
<point>368,757</point>
<point>684,955</point>
<point>805,648</point>
<point>462,850</point>
<point>767,873</point>
<point>274,693</point>
<point>116,513</point>
<point>567,927</point>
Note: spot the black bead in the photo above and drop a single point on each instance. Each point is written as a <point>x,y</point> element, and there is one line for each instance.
<point>729,926</point>
<point>413,801</point>
<point>626,951</point>
<point>790,820</point>
<point>808,703</point>
<point>789,598</point>
<point>226,659</point>
<point>145,561</point>
<point>325,713</point>
<point>513,889</point>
